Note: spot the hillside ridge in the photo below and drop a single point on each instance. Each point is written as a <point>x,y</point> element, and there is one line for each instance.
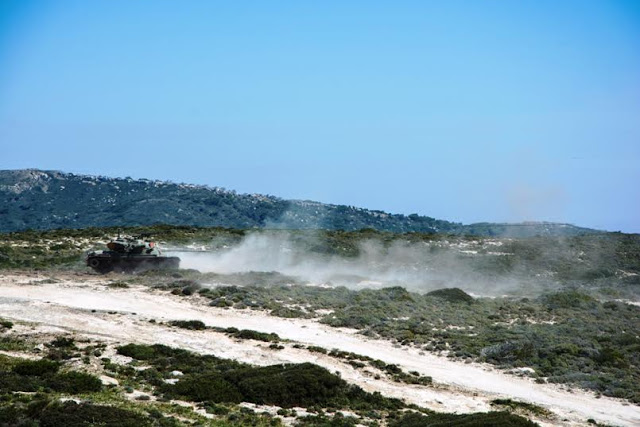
<point>42,199</point>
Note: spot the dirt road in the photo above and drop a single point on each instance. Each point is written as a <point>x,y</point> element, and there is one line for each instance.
<point>84,305</point>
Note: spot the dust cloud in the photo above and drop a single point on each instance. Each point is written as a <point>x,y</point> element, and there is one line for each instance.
<point>417,266</point>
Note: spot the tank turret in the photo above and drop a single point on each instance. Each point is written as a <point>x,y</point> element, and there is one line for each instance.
<point>129,254</point>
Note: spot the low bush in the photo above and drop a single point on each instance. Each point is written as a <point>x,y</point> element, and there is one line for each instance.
<point>63,342</point>
<point>211,387</point>
<point>568,299</point>
<point>35,375</point>
<point>454,295</point>
<point>71,414</point>
<point>289,385</point>
<point>525,406</point>
<point>248,334</point>
<point>118,285</point>
<point>210,379</point>
<point>36,367</point>
<point>12,343</point>
<point>189,324</point>
<point>138,351</point>
<point>288,312</point>
<point>75,382</point>
<point>325,421</point>
<point>502,419</point>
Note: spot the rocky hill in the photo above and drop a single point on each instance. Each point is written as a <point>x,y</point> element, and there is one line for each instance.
<point>36,199</point>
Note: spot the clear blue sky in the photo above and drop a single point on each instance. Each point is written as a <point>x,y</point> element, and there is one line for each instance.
<point>461,110</point>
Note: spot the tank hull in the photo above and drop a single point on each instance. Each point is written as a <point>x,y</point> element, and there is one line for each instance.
<point>106,262</point>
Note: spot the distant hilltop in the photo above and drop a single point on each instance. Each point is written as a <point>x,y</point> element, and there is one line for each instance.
<point>37,199</point>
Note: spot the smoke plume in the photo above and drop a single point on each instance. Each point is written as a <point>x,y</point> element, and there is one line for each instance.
<point>417,266</point>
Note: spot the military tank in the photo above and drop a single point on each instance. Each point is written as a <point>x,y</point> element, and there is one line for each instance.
<point>129,254</point>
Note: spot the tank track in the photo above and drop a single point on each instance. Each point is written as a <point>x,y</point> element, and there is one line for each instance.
<point>129,264</point>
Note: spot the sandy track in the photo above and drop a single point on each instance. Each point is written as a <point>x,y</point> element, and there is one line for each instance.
<point>69,304</point>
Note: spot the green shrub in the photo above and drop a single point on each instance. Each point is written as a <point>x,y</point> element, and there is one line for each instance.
<point>248,334</point>
<point>71,414</point>
<point>118,285</point>
<point>568,299</point>
<point>27,383</point>
<point>337,420</point>
<point>210,387</point>
<point>63,342</point>
<point>316,349</point>
<point>611,356</point>
<point>529,407</point>
<point>36,367</point>
<point>210,379</point>
<point>189,324</point>
<point>502,419</point>
<point>12,343</point>
<point>454,295</point>
<point>137,351</point>
<point>75,382</point>
<point>289,313</point>
<point>186,287</point>
<point>288,385</point>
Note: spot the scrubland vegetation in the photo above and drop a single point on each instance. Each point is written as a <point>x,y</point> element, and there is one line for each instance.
<point>215,380</point>
<point>53,391</point>
<point>570,325</point>
<point>566,336</point>
<point>606,260</point>
<point>36,199</point>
